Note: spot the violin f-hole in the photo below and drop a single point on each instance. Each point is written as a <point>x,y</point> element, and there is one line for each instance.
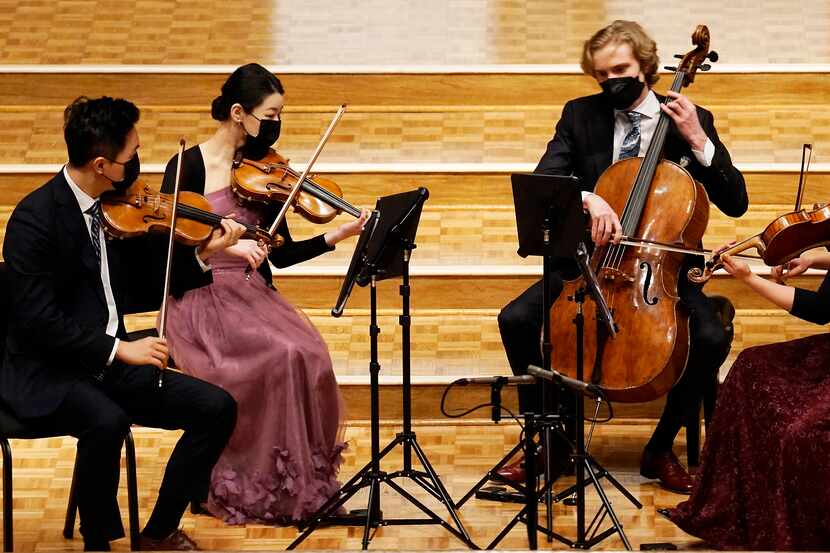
<point>647,284</point>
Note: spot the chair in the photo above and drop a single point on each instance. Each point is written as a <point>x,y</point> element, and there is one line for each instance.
<point>726,312</point>
<point>13,428</point>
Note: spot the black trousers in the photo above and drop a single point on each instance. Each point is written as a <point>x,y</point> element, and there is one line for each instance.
<point>520,324</point>
<point>100,414</point>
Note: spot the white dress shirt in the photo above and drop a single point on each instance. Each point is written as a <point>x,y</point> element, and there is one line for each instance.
<point>649,108</point>
<point>84,203</point>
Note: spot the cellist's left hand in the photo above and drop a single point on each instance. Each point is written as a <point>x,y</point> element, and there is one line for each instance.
<point>351,228</point>
<point>684,114</point>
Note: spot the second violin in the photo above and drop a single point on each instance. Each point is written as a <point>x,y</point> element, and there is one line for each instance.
<point>141,209</point>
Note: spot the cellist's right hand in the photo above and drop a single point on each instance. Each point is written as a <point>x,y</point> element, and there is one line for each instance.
<point>794,267</point>
<point>605,225</point>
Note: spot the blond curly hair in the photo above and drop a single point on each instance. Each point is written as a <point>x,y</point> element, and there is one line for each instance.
<point>629,32</point>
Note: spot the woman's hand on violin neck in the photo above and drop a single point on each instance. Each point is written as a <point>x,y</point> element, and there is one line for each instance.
<point>684,114</point>
<point>352,228</point>
<point>147,351</point>
<point>605,224</point>
<point>225,235</point>
<point>735,267</point>
<point>249,250</point>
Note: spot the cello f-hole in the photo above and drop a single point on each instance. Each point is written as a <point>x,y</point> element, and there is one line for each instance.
<point>647,284</point>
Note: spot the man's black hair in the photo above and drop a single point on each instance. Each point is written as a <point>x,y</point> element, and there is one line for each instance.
<point>97,127</point>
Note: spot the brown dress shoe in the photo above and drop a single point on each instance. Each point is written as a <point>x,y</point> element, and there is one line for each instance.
<point>177,541</point>
<point>515,472</point>
<point>665,467</point>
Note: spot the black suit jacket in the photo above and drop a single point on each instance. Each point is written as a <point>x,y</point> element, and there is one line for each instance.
<point>584,141</point>
<point>58,313</point>
<point>583,146</point>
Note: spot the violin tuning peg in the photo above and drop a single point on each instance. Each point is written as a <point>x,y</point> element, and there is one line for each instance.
<point>679,56</point>
<point>670,68</point>
<point>713,56</point>
<point>705,67</point>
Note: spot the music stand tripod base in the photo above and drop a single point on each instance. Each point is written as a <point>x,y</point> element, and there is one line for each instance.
<point>382,252</point>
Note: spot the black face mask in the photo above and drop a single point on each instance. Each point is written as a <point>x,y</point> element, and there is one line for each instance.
<point>131,170</point>
<point>256,147</point>
<point>621,92</point>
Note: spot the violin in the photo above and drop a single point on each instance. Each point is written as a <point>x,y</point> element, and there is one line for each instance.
<point>644,352</point>
<point>783,239</point>
<point>140,209</point>
<point>271,179</point>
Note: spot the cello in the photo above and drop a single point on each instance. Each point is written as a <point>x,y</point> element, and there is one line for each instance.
<point>659,202</point>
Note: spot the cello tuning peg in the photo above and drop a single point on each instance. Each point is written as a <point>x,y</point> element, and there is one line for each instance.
<point>705,67</point>
<point>713,56</point>
<point>670,68</point>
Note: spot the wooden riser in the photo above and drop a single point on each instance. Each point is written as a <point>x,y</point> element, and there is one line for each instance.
<point>453,188</point>
<point>509,134</point>
<point>459,91</point>
<point>449,344</point>
<point>461,241</point>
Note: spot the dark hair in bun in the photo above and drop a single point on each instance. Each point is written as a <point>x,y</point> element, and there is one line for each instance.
<point>248,86</point>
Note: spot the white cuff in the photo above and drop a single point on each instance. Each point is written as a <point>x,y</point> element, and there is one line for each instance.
<point>705,157</point>
<point>205,266</point>
<point>112,353</point>
<point>585,194</point>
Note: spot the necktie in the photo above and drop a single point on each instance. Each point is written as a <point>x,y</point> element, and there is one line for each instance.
<point>631,143</point>
<point>95,228</point>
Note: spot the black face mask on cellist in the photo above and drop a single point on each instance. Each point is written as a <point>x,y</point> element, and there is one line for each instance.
<point>621,92</point>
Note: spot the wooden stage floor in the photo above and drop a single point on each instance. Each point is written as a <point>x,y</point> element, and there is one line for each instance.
<point>461,453</point>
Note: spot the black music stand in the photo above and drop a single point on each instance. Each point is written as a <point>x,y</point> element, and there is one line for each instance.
<point>551,224</point>
<point>383,252</point>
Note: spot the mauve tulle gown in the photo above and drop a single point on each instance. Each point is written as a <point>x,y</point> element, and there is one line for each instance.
<point>282,460</point>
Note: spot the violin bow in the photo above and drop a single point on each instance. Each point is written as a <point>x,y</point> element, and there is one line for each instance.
<point>171,240</point>
<point>802,178</point>
<point>289,201</point>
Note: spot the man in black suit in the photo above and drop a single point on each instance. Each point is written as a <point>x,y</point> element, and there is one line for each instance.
<point>593,132</point>
<point>68,365</point>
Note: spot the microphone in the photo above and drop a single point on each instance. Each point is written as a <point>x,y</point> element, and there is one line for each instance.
<point>522,379</point>
<point>555,376</point>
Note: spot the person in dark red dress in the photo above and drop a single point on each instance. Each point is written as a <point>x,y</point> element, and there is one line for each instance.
<point>764,482</point>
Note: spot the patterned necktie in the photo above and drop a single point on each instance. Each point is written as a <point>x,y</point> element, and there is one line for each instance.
<point>95,229</point>
<point>631,143</point>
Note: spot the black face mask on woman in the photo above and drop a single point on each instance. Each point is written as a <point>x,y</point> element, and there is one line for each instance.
<point>132,168</point>
<point>621,92</point>
<point>256,147</point>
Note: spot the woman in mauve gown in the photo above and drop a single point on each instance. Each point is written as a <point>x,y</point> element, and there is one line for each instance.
<point>282,460</point>
<point>764,482</point>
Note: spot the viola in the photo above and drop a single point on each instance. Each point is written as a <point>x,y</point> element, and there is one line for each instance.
<point>271,179</point>
<point>659,202</point>
<point>141,209</point>
<point>785,238</point>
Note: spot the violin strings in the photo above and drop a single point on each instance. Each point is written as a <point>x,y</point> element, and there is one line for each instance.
<point>194,213</point>
<point>329,197</point>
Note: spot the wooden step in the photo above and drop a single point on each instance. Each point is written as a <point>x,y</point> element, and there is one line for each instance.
<point>362,89</point>
<point>447,345</point>
<point>468,241</point>
<point>453,184</point>
<point>506,134</point>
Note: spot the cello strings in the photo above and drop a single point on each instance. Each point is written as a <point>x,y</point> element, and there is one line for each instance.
<point>637,199</point>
